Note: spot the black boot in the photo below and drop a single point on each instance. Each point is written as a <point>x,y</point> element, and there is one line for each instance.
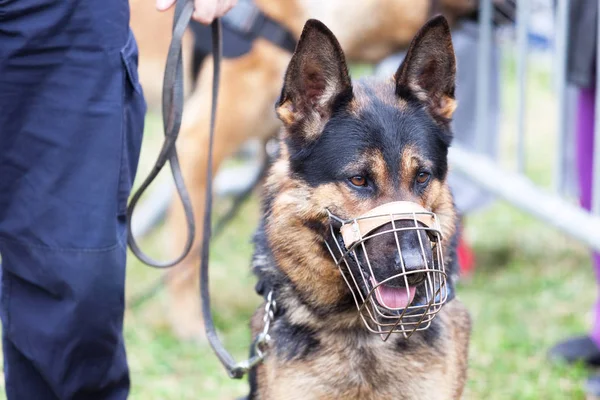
<point>577,349</point>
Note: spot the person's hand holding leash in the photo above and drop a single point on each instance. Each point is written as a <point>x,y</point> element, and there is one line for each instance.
<point>205,10</point>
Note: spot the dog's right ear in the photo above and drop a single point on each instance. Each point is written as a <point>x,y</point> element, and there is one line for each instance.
<point>315,81</point>
<point>428,71</point>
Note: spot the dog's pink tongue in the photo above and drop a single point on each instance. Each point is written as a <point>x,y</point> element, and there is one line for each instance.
<point>391,297</point>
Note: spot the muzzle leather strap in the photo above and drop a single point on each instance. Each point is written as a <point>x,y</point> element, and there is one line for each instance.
<point>172,109</point>
<point>355,230</point>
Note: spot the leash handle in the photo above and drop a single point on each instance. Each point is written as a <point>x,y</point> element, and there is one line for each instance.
<point>172,111</point>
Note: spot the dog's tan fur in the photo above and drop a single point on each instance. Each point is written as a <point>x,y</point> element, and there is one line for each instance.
<point>367,31</point>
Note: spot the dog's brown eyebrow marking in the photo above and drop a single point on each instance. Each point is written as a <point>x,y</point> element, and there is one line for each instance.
<point>410,161</point>
<point>380,170</point>
<point>373,163</point>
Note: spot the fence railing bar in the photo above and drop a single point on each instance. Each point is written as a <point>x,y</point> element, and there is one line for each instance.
<point>519,191</point>
<point>560,83</point>
<point>596,155</point>
<point>483,73</point>
<point>522,33</point>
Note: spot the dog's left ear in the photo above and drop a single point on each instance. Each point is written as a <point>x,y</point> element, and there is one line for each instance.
<point>428,71</point>
<point>316,78</point>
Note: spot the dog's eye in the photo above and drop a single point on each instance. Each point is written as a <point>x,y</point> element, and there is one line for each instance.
<point>358,180</point>
<point>423,177</point>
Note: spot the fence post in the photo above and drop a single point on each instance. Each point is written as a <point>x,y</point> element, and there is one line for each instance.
<point>560,79</point>
<point>483,73</point>
<point>522,31</point>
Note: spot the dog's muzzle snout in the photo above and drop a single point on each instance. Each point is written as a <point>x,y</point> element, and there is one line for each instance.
<point>394,293</point>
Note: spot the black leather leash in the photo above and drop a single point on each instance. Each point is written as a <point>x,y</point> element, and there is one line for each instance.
<point>172,110</point>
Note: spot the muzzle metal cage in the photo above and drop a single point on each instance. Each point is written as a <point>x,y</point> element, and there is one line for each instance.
<point>424,299</point>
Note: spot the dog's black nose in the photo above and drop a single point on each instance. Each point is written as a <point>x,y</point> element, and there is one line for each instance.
<point>412,259</point>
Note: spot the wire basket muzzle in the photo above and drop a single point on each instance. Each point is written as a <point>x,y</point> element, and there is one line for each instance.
<point>392,260</point>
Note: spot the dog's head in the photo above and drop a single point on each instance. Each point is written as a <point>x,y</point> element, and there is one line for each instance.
<point>348,148</point>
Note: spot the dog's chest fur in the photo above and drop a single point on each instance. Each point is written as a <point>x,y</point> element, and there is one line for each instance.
<point>322,364</point>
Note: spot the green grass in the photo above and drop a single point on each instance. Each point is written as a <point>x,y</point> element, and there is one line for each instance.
<point>532,287</point>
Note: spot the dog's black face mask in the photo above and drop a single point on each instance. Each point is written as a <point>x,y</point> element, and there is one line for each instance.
<point>353,147</point>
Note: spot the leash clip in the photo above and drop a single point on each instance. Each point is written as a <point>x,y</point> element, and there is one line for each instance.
<point>259,350</point>
<point>260,346</point>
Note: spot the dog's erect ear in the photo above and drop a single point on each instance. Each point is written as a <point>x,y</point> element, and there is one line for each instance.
<point>429,69</point>
<point>316,77</point>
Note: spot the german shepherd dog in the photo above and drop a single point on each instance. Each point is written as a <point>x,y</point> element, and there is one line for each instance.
<point>368,31</point>
<point>345,149</point>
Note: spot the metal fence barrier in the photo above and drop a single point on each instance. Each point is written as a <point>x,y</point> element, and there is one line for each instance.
<point>554,207</point>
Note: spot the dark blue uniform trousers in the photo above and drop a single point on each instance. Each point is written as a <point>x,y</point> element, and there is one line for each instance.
<point>71,122</point>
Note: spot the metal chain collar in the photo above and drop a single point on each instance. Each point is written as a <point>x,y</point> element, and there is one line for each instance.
<point>262,340</point>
